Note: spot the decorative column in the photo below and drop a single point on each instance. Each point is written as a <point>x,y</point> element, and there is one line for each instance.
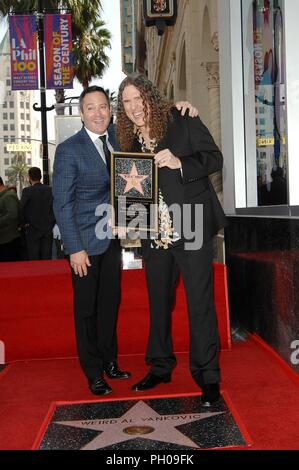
<point>212,69</point>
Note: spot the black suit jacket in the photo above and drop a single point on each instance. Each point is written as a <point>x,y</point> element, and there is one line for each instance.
<point>190,140</point>
<point>37,208</point>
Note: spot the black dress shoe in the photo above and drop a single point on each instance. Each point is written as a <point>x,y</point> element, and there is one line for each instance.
<point>150,381</point>
<point>210,394</point>
<point>113,372</point>
<point>99,386</point>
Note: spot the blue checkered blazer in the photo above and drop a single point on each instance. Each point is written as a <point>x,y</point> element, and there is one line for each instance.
<point>80,185</point>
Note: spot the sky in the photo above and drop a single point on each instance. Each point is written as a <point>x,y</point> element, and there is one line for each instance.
<point>113,75</point>
<point>111,15</point>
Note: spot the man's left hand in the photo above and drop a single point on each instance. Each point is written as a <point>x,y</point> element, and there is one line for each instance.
<point>183,106</point>
<point>166,158</point>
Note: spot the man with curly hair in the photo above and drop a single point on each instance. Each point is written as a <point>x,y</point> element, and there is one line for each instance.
<point>186,155</point>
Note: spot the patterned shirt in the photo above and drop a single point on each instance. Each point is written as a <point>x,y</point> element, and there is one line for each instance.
<point>166,235</point>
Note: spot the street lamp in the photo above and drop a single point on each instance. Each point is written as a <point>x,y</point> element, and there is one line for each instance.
<point>43,106</point>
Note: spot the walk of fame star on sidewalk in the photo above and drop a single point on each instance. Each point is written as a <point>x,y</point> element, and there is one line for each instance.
<point>139,420</point>
<point>161,423</point>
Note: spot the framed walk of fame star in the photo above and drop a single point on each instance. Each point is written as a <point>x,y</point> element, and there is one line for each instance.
<point>134,191</point>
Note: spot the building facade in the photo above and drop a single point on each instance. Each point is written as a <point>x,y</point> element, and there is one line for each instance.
<point>184,62</point>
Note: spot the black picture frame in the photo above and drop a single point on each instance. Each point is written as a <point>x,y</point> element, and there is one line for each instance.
<point>134,191</point>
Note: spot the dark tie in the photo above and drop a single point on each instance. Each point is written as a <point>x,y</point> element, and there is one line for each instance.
<point>106,151</point>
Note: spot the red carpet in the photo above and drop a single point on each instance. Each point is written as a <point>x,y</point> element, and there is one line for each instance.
<point>261,391</point>
<point>36,323</point>
<point>36,319</point>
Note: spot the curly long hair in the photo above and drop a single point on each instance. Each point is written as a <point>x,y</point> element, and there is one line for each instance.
<point>155,105</point>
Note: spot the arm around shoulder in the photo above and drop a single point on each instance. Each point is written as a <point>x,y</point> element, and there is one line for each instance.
<point>206,158</point>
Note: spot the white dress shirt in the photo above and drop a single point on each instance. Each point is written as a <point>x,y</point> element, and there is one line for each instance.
<point>98,143</point>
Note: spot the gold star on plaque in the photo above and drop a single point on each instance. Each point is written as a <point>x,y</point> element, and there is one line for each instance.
<point>133,180</point>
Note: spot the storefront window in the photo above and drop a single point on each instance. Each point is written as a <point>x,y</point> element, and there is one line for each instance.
<point>264,100</point>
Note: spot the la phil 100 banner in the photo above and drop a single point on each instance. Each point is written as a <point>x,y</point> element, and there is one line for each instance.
<point>58,46</point>
<point>23,57</point>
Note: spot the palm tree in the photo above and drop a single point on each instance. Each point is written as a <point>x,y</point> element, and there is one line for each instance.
<point>14,6</point>
<point>90,59</point>
<point>78,8</point>
<point>18,172</point>
<point>113,101</point>
<point>90,38</point>
<point>112,96</point>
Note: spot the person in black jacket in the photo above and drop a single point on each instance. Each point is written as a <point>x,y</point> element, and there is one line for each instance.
<point>10,246</point>
<point>186,155</point>
<point>38,217</point>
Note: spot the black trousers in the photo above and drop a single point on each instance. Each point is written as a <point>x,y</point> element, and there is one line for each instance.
<point>11,251</point>
<point>162,268</point>
<point>96,302</point>
<point>39,244</point>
